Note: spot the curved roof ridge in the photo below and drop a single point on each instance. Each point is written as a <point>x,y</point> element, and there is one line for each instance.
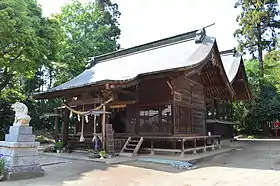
<point>150,45</point>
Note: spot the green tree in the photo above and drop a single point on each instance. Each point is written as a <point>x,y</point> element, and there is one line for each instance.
<point>90,29</point>
<point>264,108</point>
<point>258,23</point>
<point>27,40</point>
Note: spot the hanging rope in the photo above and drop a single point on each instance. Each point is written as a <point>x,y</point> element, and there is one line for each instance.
<point>89,112</point>
<point>84,114</point>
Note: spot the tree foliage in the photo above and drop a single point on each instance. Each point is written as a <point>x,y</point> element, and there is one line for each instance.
<point>258,27</point>
<point>37,52</point>
<point>90,29</point>
<point>27,40</point>
<point>264,108</point>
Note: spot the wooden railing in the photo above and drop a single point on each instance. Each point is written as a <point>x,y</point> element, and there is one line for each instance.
<point>197,143</point>
<point>154,144</point>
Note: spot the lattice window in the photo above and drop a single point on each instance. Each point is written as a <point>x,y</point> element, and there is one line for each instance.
<point>155,119</point>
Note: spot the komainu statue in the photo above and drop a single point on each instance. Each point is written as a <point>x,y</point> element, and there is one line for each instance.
<point>21,116</point>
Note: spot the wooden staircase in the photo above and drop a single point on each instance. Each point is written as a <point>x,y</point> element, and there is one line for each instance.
<point>131,147</point>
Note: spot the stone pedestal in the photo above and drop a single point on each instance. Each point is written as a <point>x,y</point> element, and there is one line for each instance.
<point>19,150</point>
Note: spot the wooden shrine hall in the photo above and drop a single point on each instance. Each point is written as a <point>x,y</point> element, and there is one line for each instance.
<point>166,95</point>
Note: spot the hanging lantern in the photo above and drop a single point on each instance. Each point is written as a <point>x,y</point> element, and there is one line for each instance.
<point>86,117</point>
<point>70,115</point>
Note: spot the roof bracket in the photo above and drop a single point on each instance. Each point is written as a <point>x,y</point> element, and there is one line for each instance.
<point>200,35</point>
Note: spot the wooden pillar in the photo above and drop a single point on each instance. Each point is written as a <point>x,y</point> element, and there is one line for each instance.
<point>173,125</point>
<point>65,126</point>
<point>217,109</point>
<point>222,109</point>
<point>213,143</point>
<point>219,141</point>
<point>103,128</point>
<point>213,109</point>
<point>230,111</point>
<point>182,148</point>
<point>137,110</point>
<point>194,149</point>
<point>191,111</point>
<point>152,147</point>
<point>56,122</point>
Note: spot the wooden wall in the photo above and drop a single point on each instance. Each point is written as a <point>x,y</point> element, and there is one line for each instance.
<point>199,110</point>
<point>131,118</point>
<point>154,107</point>
<point>153,92</point>
<point>159,110</point>
<point>190,111</point>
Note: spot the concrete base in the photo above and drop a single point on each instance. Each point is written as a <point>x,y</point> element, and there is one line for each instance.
<point>20,153</point>
<point>12,176</point>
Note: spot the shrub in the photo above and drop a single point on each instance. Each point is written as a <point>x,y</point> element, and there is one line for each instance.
<point>58,145</point>
<point>252,137</point>
<point>102,153</point>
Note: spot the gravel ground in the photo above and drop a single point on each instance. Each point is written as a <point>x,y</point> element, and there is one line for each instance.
<point>253,163</point>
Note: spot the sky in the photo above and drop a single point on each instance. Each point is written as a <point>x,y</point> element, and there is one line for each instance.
<point>144,21</point>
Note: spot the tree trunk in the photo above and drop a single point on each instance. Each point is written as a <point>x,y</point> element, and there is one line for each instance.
<point>260,59</point>
<point>260,52</point>
<point>261,69</point>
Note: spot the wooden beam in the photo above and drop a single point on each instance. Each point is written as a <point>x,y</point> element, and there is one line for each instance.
<point>88,101</point>
<point>125,103</point>
<point>118,106</point>
<point>169,85</point>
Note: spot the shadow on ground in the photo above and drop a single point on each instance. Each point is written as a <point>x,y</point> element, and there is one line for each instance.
<point>261,155</point>
<point>58,174</point>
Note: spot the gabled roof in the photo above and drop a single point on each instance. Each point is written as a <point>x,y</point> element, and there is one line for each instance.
<point>181,51</point>
<point>231,61</point>
<point>235,70</point>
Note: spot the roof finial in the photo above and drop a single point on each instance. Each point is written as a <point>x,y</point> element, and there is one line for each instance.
<point>92,62</point>
<point>200,35</point>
